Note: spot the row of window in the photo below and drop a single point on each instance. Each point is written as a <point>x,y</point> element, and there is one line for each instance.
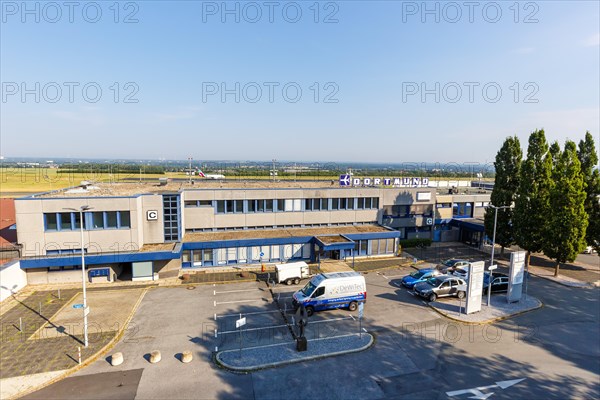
<point>70,221</point>
<point>251,228</point>
<point>402,211</point>
<point>243,255</point>
<point>286,205</point>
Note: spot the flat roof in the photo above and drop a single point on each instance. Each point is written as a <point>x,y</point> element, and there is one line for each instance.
<point>124,189</point>
<point>281,233</point>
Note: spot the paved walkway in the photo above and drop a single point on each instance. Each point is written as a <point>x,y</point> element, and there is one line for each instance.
<point>255,358</point>
<point>500,309</point>
<point>46,343</point>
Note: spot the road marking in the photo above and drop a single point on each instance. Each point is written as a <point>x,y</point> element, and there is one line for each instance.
<point>395,284</point>
<point>253,329</point>
<point>394,276</point>
<point>477,392</point>
<point>236,291</point>
<point>411,293</point>
<point>237,315</point>
<point>331,320</point>
<point>352,317</point>
<point>237,301</point>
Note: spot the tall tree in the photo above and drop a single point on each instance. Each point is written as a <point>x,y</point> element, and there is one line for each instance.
<point>567,223</point>
<point>508,168</point>
<point>533,196</point>
<point>588,157</point>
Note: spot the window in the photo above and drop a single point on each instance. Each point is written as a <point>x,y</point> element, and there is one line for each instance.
<point>375,202</point>
<point>343,203</point>
<point>111,220</point>
<point>280,205</point>
<point>185,256</point>
<point>77,220</point>
<point>361,203</point>
<point>98,220</point>
<point>335,204</point>
<point>251,206</point>
<point>207,254</point>
<point>191,203</point>
<point>51,222</point>
<point>369,202</point>
<point>65,222</point>
<point>319,292</point>
<point>205,203</point>
<point>238,206</point>
<point>221,206</point>
<point>125,219</point>
<point>350,205</point>
<point>260,206</point>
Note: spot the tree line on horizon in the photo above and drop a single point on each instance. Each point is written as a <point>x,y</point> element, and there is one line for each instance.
<point>550,200</point>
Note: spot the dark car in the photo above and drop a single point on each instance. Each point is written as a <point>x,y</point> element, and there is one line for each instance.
<point>499,283</point>
<point>441,286</point>
<point>450,265</point>
<point>419,276</point>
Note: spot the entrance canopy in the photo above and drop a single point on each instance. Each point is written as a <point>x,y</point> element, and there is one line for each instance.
<point>334,242</point>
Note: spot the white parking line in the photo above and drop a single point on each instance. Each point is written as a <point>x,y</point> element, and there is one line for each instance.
<point>237,301</point>
<point>237,315</point>
<point>331,320</point>
<point>252,329</point>
<point>411,293</point>
<point>393,276</point>
<point>236,291</point>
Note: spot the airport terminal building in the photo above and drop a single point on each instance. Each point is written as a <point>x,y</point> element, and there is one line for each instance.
<point>140,231</point>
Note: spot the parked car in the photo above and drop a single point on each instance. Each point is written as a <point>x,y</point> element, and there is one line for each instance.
<point>589,250</point>
<point>499,283</point>
<point>461,272</point>
<point>419,276</point>
<point>440,286</point>
<point>448,266</point>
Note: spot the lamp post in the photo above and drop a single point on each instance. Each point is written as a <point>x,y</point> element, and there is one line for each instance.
<point>85,307</point>
<point>489,291</point>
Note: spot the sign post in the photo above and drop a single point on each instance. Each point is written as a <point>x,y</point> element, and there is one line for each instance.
<point>475,286</point>
<point>515,280</point>
<point>361,309</point>
<point>238,324</point>
<point>489,293</point>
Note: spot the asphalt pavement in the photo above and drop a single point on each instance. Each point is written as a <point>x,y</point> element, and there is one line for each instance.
<point>549,353</point>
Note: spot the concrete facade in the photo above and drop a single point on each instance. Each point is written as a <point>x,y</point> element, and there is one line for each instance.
<point>155,220</point>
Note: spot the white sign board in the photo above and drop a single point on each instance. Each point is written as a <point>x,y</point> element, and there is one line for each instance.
<point>516,274</point>
<point>240,322</point>
<point>361,309</point>
<point>152,215</point>
<point>475,287</point>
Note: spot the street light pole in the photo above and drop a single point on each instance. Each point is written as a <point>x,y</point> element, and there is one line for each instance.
<point>83,277</point>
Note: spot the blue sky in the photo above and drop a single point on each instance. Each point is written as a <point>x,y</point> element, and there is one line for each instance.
<point>375,61</point>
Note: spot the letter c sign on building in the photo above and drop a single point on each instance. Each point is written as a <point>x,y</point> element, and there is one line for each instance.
<point>152,215</point>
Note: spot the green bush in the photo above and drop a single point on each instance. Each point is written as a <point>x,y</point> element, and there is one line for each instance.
<point>407,243</point>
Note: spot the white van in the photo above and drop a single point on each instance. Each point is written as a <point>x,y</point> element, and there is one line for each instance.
<point>332,290</point>
<point>292,272</point>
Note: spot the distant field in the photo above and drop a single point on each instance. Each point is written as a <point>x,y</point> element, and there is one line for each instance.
<point>21,181</point>
<point>16,182</point>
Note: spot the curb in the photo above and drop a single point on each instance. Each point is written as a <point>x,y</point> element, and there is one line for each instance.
<point>253,368</point>
<point>91,359</point>
<point>577,285</point>
<point>487,321</point>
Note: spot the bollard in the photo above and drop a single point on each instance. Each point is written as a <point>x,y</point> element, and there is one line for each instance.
<point>59,294</point>
<point>79,351</point>
<point>186,356</point>
<point>20,325</point>
<point>155,357</point>
<point>40,308</point>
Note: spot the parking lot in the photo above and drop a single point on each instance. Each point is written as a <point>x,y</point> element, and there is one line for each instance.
<point>416,352</point>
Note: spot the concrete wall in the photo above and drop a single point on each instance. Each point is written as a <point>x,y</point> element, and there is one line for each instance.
<point>205,217</point>
<point>12,279</point>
